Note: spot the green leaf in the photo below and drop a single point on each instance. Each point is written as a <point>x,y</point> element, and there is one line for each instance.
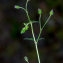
<point>17,7</point>
<point>51,12</point>
<point>39,11</point>
<point>24,29</point>
<point>35,22</point>
<point>28,39</point>
<point>32,39</point>
<point>41,38</point>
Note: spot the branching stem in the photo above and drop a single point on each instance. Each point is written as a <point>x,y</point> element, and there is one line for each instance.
<point>43,28</point>
<point>33,33</point>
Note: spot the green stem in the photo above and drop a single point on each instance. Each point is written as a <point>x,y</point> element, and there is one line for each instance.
<point>43,28</point>
<point>33,34</point>
<point>28,62</point>
<point>37,52</point>
<point>40,21</point>
<point>23,9</point>
<point>27,11</point>
<point>30,21</point>
<point>35,43</point>
<point>26,5</point>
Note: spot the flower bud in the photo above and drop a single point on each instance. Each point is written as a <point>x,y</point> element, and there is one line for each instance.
<point>39,11</point>
<point>17,7</point>
<point>51,12</point>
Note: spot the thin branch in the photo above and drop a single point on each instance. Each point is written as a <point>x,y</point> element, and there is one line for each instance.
<point>40,21</point>
<point>43,27</point>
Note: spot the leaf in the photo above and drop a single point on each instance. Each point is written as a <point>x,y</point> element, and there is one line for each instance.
<point>41,38</point>
<point>28,39</point>
<point>24,29</point>
<point>35,22</point>
<point>32,39</point>
<point>51,12</point>
<point>39,11</point>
